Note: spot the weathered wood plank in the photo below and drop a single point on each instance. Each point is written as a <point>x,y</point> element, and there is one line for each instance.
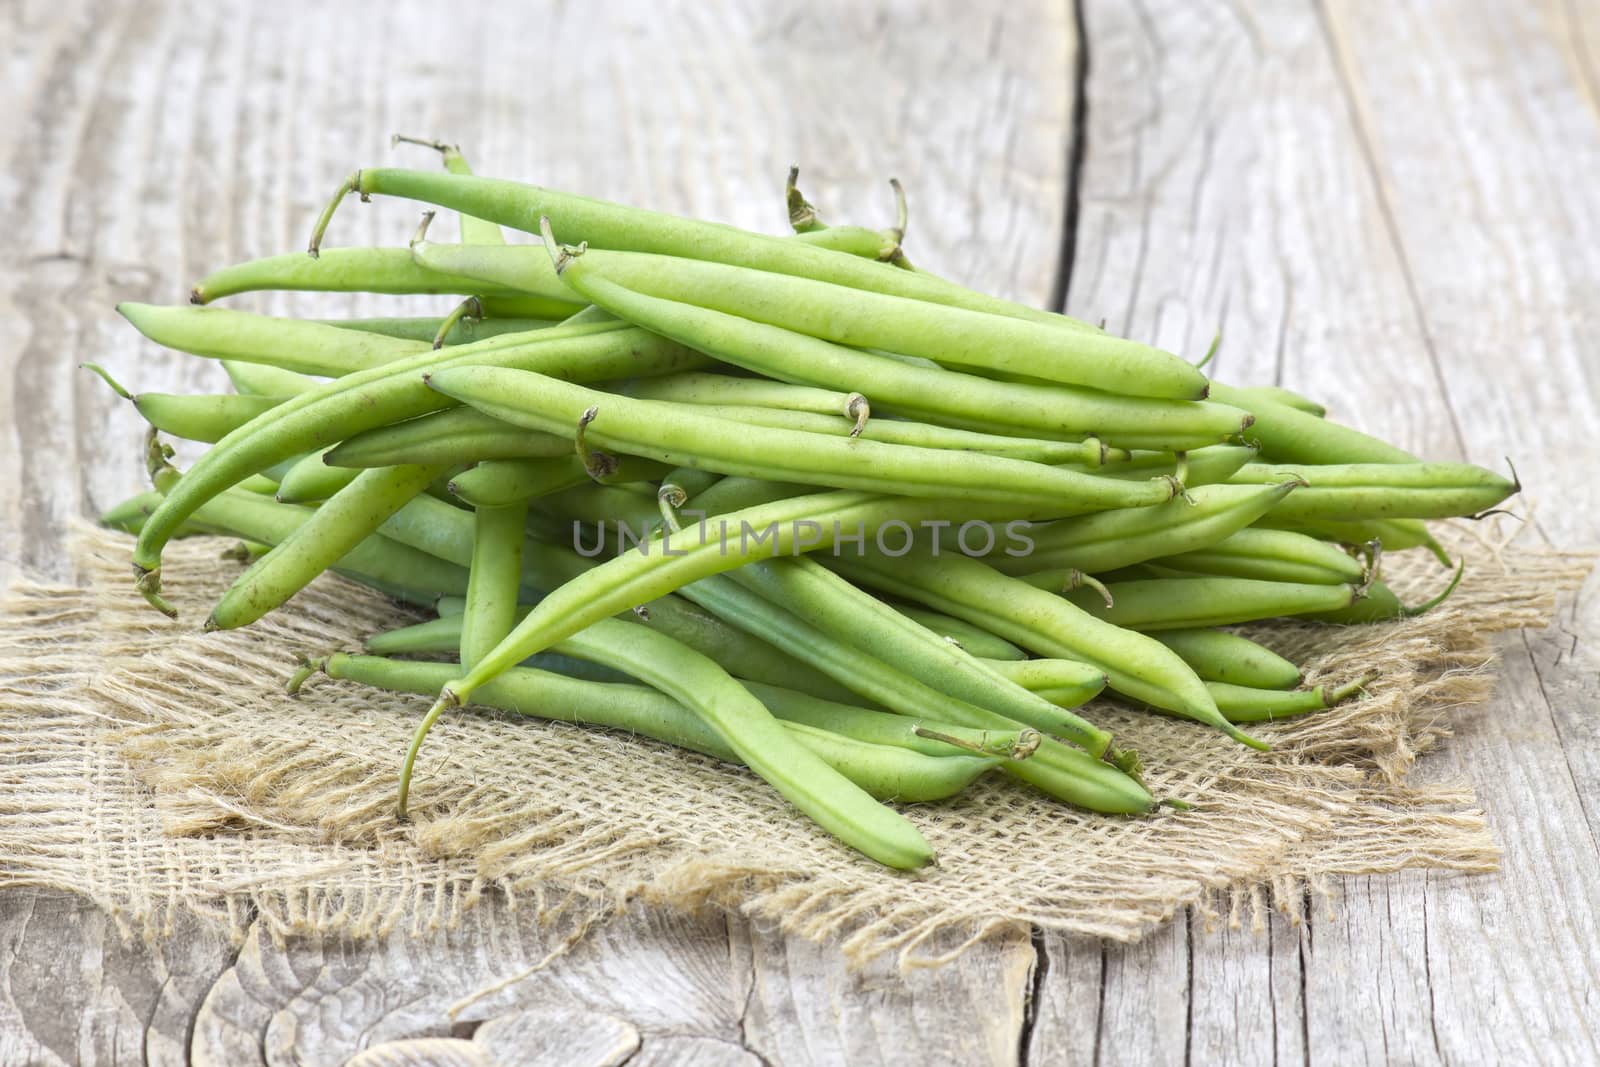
<point>152,143</point>
<point>1331,198</point>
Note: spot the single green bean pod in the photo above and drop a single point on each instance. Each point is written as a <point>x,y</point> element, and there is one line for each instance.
<point>1271,555</point>
<point>1355,492</point>
<point>1244,704</point>
<point>1187,603</point>
<point>375,270</point>
<point>1108,540</point>
<point>1219,656</point>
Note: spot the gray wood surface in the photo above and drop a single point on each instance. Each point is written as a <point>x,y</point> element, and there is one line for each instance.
<point>1389,206</point>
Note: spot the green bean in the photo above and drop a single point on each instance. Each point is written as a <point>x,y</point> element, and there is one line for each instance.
<point>374,561</point>
<point>1108,540</point>
<point>291,344</point>
<point>1211,465</point>
<point>899,731</point>
<point>1058,770</point>
<point>1043,623</point>
<point>831,800</point>
<point>657,566</point>
<point>311,480</point>
<point>888,772</point>
<point>129,515</point>
<point>1243,704</point>
<point>193,417</point>
<point>1353,492</point>
<point>852,240</point>
<point>1380,604</point>
<point>445,532</point>
<point>1393,534</point>
<point>1277,394</point>
<point>328,534</point>
<point>974,639</point>
<point>614,226</point>
<point>1289,436</point>
<point>496,577</point>
<point>259,379</point>
<point>474,231</point>
<point>1069,683</point>
<point>863,319</point>
<point>260,483</point>
<point>723,389</point>
<point>965,401</point>
<point>1063,772</point>
<point>1187,603</point>
<point>495,482</point>
<point>456,436</point>
<point>822,599</point>
<point>671,434</point>
<point>383,395</point>
<point>464,331</point>
<point>637,709</point>
<point>791,407</point>
<point>1271,555</point>
<point>1084,455</point>
<point>443,635</point>
<point>1219,656</point>
<point>375,270</point>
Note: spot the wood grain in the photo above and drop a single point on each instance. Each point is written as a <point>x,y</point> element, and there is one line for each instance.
<point>1378,204</point>
<point>1326,189</point>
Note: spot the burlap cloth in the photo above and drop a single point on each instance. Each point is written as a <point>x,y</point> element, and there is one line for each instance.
<point>158,770</point>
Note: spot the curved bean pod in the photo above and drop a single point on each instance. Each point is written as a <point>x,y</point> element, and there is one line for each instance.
<point>1277,394</point>
<point>1046,624</point>
<point>261,379</point>
<point>376,270</point>
<point>464,331</point>
<point>1271,555</point>
<point>1068,682</point>
<point>1289,436</point>
<point>1394,535</point>
<point>1353,492</point>
<point>445,532</point>
<point>193,417</point>
<point>495,579</point>
<point>1244,704</point>
<point>377,561</point>
<point>1210,465</point>
<point>610,225</point>
<point>311,481</point>
<point>744,725</point>
<point>966,401</point>
<point>327,535</point>
<point>457,436</point>
<point>1084,455</point>
<point>726,390</point>
<point>1219,656</point>
<point>862,319</point>
<point>291,344</point>
<point>1108,540</point>
<point>1187,603</point>
<point>637,709</point>
<point>1380,604</point>
<point>976,640</point>
<point>493,483</point>
<point>670,434</point>
<point>372,398</point>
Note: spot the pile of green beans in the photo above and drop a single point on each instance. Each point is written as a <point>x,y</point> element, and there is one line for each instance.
<point>783,501</point>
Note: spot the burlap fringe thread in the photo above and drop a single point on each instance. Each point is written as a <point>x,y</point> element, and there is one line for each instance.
<point>163,772</point>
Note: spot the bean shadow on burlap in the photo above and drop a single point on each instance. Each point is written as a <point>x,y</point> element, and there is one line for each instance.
<point>163,772</point>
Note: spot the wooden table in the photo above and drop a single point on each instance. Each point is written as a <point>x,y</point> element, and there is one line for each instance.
<point>1392,206</point>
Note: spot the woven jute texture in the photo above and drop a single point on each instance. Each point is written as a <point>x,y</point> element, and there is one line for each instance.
<point>158,770</point>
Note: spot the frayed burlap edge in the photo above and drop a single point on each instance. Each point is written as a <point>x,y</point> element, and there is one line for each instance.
<point>159,771</point>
